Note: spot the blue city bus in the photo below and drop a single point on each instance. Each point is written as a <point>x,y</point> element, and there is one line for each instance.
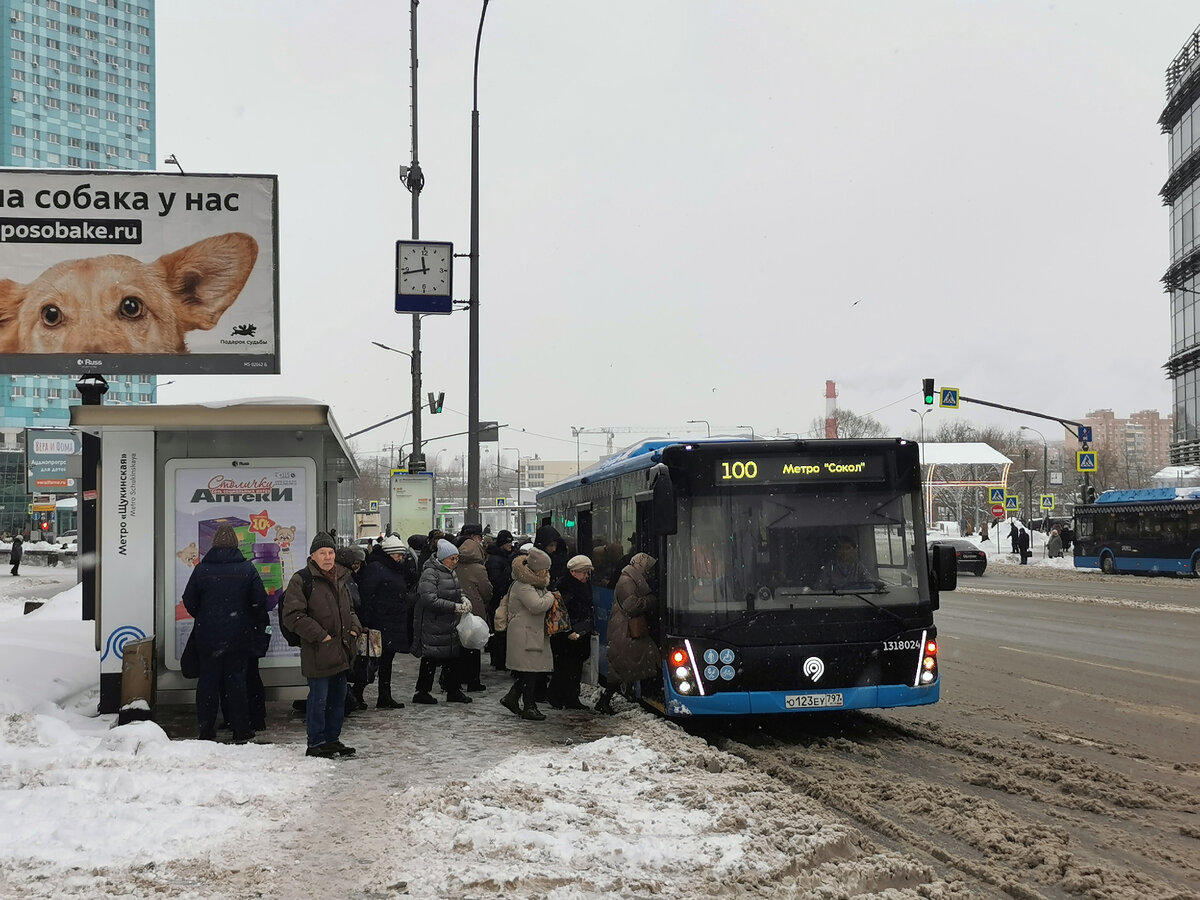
<point>1150,531</point>
<point>752,615</point>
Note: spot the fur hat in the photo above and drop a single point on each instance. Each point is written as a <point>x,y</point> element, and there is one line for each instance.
<point>225,537</point>
<point>321,540</point>
<point>392,544</point>
<point>468,530</point>
<point>503,536</point>
<point>539,560</point>
<point>445,550</point>
<point>348,556</point>
<point>579,563</point>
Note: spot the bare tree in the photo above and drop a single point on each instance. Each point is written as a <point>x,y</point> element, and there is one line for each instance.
<point>851,425</point>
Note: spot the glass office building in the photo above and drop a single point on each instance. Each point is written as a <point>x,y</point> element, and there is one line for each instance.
<point>77,93</point>
<point>1181,120</point>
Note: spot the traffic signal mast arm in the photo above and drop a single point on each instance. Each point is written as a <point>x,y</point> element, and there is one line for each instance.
<point>1066,423</point>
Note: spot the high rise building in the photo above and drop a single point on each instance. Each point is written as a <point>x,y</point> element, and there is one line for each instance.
<point>1181,120</point>
<point>1137,447</point>
<point>77,79</point>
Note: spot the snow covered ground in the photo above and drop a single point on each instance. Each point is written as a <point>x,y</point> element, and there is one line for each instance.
<point>443,801</point>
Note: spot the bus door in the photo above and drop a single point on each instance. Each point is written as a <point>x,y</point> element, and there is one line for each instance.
<point>583,529</point>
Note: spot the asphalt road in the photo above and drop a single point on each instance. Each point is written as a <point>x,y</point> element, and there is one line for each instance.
<point>1063,759</point>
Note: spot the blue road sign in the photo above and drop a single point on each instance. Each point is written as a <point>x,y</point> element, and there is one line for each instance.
<point>372,506</point>
<point>1047,501</point>
<point>949,398</point>
<point>1012,503</point>
<point>1085,460</point>
<point>996,495</point>
<point>1085,434</point>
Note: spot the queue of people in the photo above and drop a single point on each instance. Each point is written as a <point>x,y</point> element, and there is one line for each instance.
<point>536,599</point>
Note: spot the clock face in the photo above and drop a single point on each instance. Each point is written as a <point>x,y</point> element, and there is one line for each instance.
<point>425,270</point>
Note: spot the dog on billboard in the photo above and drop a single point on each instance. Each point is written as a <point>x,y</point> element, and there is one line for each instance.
<point>117,304</point>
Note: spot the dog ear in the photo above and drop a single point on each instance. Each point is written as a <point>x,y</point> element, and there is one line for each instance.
<point>206,277</point>
<point>11,296</point>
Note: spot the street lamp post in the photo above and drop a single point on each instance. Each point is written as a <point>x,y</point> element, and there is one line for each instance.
<point>415,371</point>
<point>518,452</point>
<point>707,427</point>
<point>751,427</point>
<point>577,432</point>
<point>929,496</point>
<point>473,343</point>
<point>1045,457</point>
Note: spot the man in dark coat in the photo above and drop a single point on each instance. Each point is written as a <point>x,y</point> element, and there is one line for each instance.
<point>1015,536</point>
<point>385,583</point>
<point>1023,545</point>
<point>548,540</point>
<point>328,628</point>
<point>226,597</point>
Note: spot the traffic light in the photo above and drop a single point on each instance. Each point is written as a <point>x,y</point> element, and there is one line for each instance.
<point>435,403</point>
<point>927,389</point>
<point>45,526</point>
<point>1089,494</point>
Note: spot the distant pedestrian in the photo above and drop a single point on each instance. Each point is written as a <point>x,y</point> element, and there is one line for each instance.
<point>1023,546</point>
<point>1054,545</point>
<point>1068,536</point>
<point>328,630</point>
<point>1016,538</point>
<point>529,655</point>
<point>14,555</point>
<point>226,598</point>
<point>983,531</point>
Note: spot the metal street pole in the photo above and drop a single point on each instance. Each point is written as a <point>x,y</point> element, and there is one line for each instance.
<point>414,180</point>
<point>707,427</point>
<point>473,344</point>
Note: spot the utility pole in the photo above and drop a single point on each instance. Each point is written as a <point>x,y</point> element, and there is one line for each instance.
<point>473,340</point>
<point>414,180</point>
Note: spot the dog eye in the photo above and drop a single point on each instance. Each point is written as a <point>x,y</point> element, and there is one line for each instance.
<point>131,308</point>
<point>51,315</point>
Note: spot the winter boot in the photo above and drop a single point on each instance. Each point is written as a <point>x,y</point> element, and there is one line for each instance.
<point>529,692</point>
<point>512,700</point>
<point>385,700</point>
<point>424,697</point>
<point>357,691</point>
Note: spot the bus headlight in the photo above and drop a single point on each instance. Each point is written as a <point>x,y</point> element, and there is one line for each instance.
<point>682,672</point>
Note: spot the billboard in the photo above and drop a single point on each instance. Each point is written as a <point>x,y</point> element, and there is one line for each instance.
<point>412,502</point>
<point>54,458</point>
<point>138,272</point>
<point>271,505</point>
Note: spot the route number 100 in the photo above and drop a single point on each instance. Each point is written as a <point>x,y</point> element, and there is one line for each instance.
<point>737,471</point>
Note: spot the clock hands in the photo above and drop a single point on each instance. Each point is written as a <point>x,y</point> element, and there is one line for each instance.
<point>424,268</point>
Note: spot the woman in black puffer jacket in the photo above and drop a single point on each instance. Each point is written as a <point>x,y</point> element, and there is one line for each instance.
<point>435,635</point>
<point>387,606</point>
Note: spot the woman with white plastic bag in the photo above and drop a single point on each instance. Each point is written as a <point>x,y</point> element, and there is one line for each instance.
<point>473,632</point>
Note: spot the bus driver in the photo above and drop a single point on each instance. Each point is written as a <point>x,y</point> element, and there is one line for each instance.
<point>846,570</point>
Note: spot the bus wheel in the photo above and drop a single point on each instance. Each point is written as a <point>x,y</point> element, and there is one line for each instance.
<point>1196,567</point>
<point>1108,565</point>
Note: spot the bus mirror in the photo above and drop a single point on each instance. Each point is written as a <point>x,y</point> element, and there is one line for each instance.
<point>662,509</point>
<point>945,567</point>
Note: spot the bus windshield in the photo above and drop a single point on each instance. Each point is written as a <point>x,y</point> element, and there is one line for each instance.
<point>740,554</point>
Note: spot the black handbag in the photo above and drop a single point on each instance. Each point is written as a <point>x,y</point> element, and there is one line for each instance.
<point>189,662</point>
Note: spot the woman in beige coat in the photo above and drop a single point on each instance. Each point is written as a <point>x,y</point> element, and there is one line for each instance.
<point>528,646</point>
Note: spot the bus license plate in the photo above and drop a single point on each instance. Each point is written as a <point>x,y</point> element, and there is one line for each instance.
<point>812,701</point>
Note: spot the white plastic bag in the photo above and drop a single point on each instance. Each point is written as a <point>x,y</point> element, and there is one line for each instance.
<point>473,631</point>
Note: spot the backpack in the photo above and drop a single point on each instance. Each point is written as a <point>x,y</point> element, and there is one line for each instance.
<point>290,636</point>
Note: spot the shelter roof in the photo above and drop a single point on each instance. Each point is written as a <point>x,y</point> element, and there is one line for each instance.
<point>962,454</point>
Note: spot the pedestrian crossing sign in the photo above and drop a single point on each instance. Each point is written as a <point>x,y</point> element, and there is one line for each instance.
<point>1085,460</point>
<point>372,506</point>
<point>949,398</point>
<point>1012,503</point>
<point>1047,501</point>
<point>996,495</point>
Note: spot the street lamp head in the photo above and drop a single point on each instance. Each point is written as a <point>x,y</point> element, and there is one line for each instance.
<point>393,349</point>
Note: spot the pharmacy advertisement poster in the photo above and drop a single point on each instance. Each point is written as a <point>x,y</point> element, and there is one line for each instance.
<point>271,505</point>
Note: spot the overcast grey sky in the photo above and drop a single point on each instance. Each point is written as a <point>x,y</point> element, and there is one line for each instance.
<point>701,210</point>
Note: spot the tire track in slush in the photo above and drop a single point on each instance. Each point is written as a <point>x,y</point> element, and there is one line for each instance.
<point>1013,820</point>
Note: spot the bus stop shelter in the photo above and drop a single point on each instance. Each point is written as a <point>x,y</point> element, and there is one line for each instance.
<point>956,477</point>
<point>166,477</point>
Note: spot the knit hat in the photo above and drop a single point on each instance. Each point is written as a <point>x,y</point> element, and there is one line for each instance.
<point>392,544</point>
<point>503,536</point>
<point>321,540</point>
<point>445,550</point>
<point>225,537</point>
<point>579,563</point>
<point>539,560</point>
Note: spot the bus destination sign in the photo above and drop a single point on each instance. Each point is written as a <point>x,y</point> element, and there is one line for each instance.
<point>797,469</point>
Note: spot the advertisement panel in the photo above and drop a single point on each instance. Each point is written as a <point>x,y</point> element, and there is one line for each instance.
<point>126,576</point>
<point>412,503</point>
<point>53,458</point>
<point>138,272</point>
<point>271,504</point>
